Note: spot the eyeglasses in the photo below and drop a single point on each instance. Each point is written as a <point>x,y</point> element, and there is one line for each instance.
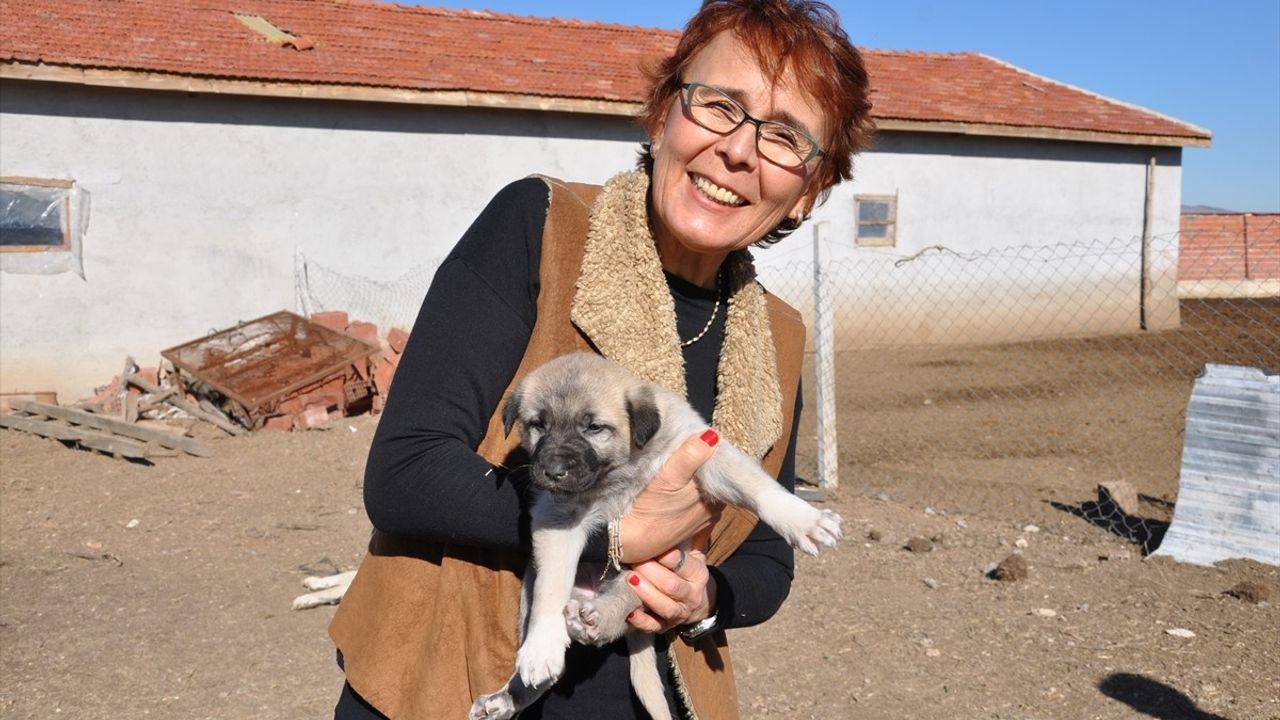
<point>780,144</point>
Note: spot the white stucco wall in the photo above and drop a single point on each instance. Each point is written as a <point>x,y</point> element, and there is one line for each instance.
<point>200,204</point>
<point>995,205</point>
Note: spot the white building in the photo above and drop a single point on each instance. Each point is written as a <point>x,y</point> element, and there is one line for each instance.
<point>218,142</point>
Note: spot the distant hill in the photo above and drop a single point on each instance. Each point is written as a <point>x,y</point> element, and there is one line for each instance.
<point>1193,209</point>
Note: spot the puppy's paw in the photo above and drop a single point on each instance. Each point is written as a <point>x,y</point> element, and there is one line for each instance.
<point>541,657</point>
<point>497,706</point>
<point>826,531</point>
<point>601,619</point>
<point>807,528</point>
<point>582,621</point>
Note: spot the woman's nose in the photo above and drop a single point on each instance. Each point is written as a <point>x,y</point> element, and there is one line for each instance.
<point>739,146</point>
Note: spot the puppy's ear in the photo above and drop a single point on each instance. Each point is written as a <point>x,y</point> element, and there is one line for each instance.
<point>642,411</point>
<point>511,411</point>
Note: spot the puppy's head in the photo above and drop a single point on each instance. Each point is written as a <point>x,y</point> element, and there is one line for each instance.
<point>580,416</point>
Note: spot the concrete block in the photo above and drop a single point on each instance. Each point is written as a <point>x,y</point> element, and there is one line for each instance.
<point>1120,493</point>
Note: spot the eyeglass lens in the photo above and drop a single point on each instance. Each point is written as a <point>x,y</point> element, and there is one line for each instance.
<point>717,112</point>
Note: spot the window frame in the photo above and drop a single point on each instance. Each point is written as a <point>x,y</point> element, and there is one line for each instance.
<point>65,246</point>
<point>890,238</point>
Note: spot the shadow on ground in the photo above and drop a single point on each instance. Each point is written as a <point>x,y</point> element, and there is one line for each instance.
<point>1152,698</point>
<point>1145,532</point>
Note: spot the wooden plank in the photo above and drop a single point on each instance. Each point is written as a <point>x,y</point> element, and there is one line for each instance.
<point>130,407</point>
<point>181,403</point>
<point>152,400</point>
<point>112,444</point>
<point>113,425</point>
<point>154,450</point>
<point>43,428</point>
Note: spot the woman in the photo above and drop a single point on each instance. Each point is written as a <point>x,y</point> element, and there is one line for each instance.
<point>751,121</point>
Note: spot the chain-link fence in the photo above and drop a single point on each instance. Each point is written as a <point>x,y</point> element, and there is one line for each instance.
<point>1015,381</point>
<point>1008,382</point>
<point>385,303</point>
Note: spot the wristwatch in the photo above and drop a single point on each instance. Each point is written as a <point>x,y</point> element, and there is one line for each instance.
<point>693,633</point>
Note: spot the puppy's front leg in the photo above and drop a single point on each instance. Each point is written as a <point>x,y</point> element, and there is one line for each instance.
<point>555,555</point>
<point>732,477</point>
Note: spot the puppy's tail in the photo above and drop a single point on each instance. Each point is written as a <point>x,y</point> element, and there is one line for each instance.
<point>645,679</point>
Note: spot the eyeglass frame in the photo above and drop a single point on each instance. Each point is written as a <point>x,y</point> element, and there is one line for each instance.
<point>686,95</point>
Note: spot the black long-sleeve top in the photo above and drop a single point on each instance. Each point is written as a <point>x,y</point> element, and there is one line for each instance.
<point>424,479</point>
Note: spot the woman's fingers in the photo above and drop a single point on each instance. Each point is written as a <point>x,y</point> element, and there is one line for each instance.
<point>670,508</point>
<point>673,589</point>
<point>660,611</point>
<point>644,622</point>
<point>685,461</point>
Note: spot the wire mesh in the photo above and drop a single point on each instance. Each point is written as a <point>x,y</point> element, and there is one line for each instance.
<point>385,303</point>
<point>1016,381</point>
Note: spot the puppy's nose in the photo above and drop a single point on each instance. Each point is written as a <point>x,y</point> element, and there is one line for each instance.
<point>557,470</point>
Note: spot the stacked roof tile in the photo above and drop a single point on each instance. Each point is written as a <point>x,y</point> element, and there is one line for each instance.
<point>383,45</point>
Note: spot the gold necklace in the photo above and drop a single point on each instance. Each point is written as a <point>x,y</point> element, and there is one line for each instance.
<point>714,310</point>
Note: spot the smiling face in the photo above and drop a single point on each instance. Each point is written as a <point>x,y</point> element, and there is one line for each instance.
<point>712,194</point>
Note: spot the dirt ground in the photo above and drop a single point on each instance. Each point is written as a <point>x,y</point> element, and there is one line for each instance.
<point>163,591</point>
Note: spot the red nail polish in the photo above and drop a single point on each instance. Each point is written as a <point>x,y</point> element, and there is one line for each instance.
<point>710,438</point>
<point>634,580</point>
<point>631,615</point>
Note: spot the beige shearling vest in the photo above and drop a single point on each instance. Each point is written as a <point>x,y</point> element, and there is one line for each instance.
<point>427,627</point>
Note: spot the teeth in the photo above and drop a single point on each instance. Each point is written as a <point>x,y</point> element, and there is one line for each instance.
<point>717,193</point>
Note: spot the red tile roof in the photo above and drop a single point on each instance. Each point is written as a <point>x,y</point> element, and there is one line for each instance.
<point>383,45</point>
<point>975,88</point>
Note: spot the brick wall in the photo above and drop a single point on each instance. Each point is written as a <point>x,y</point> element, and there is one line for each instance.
<point>1229,246</point>
<point>1262,239</point>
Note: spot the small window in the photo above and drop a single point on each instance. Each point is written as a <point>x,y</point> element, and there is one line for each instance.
<point>42,223</point>
<point>877,220</point>
<point>35,215</point>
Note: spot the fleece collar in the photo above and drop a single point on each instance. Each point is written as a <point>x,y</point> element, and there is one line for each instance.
<point>624,306</point>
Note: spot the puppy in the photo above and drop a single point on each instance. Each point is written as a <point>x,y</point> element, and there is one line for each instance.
<point>596,435</point>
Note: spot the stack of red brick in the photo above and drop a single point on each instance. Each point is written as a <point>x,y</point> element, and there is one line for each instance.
<point>344,393</point>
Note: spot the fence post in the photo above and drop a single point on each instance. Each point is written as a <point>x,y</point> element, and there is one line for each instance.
<point>1144,280</point>
<point>301,306</point>
<point>824,364</point>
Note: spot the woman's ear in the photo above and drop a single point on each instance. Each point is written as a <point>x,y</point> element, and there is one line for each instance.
<point>808,200</point>
<point>803,206</point>
<point>656,141</point>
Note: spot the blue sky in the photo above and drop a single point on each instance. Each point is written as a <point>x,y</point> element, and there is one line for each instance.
<point>1215,65</point>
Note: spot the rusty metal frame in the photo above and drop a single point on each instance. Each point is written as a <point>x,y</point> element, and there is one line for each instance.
<point>242,362</point>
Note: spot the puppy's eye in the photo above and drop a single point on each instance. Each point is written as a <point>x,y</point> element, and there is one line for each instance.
<point>596,428</point>
<point>536,424</point>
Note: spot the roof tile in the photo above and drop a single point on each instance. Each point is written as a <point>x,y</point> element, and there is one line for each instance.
<point>420,48</point>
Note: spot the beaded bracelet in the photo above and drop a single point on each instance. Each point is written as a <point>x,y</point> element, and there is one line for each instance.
<point>615,544</point>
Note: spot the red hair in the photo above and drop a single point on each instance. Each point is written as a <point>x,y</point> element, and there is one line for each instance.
<point>802,36</point>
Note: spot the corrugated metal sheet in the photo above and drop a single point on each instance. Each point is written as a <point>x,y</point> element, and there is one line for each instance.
<point>1229,489</point>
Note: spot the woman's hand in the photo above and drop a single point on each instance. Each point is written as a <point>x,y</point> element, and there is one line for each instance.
<point>670,510</point>
<point>673,593</point>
